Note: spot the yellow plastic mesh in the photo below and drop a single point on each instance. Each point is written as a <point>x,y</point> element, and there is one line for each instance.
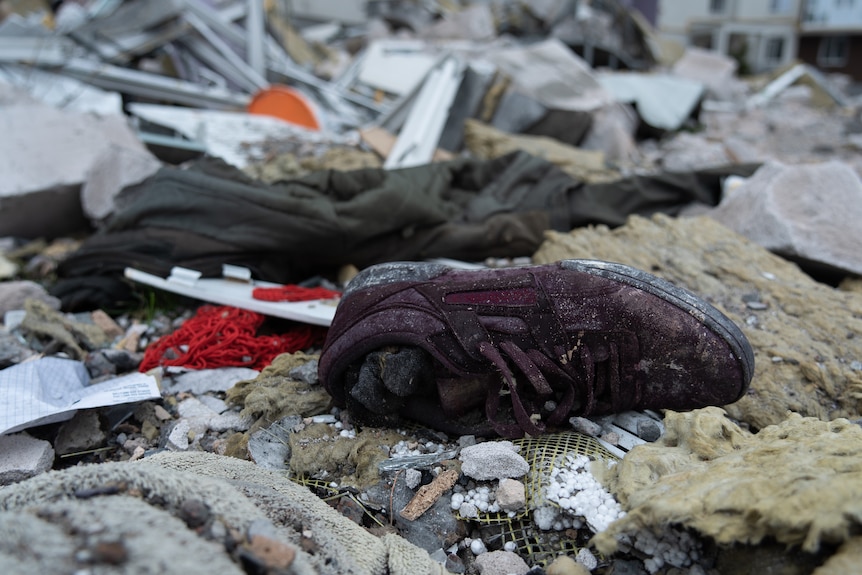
<point>533,545</point>
<point>541,452</point>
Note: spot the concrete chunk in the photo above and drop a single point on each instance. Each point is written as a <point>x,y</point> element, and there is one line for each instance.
<point>493,460</point>
<point>511,495</point>
<point>203,381</point>
<point>662,100</point>
<point>554,75</point>
<point>809,213</point>
<point>501,563</point>
<point>46,155</point>
<point>713,69</point>
<point>13,294</point>
<point>23,456</point>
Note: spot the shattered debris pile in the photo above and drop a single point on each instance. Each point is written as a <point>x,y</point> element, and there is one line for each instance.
<point>190,185</point>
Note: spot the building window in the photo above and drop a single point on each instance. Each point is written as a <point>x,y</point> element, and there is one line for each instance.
<point>832,52</point>
<point>774,50</point>
<point>779,6</point>
<point>716,6</point>
<point>702,40</point>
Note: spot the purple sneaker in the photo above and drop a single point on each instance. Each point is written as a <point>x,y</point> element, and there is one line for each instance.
<point>535,345</point>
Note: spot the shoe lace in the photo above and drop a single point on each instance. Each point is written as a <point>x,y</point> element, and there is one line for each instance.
<point>575,372</point>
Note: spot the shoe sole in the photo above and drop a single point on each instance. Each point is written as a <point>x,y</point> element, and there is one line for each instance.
<point>710,316</point>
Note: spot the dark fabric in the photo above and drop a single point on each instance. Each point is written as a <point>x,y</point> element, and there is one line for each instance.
<point>644,195</point>
<point>210,214</point>
<point>329,218</point>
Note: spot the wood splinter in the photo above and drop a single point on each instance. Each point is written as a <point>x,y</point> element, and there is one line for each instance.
<point>429,494</point>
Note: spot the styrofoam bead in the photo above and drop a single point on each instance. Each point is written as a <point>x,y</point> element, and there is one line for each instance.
<point>477,546</point>
<point>457,500</point>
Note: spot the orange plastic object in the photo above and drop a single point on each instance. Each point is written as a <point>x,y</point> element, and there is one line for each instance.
<point>284,103</point>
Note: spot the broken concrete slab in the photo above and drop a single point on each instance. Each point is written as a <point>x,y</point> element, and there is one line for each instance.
<point>690,152</point>
<point>113,170</point>
<point>47,155</point>
<point>788,130</point>
<point>663,101</point>
<point>23,456</point>
<point>807,213</point>
<point>552,74</point>
<point>713,69</point>
<point>289,165</point>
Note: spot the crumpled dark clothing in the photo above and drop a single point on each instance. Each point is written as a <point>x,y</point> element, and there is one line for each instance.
<point>210,214</point>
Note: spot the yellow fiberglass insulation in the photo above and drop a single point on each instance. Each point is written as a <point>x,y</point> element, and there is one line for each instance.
<point>798,482</point>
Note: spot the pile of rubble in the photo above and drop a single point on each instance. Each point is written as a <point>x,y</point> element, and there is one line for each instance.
<point>161,156</point>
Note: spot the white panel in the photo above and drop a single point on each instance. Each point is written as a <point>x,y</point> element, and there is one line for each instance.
<point>348,11</point>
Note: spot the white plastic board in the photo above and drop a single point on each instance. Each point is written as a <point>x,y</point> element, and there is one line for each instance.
<point>237,294</point>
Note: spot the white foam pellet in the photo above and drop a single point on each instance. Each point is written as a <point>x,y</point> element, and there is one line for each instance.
<point>477,546</point>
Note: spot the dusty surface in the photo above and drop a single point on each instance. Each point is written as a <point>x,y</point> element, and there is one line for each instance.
<point>805,334</point>
<point>798,483</point>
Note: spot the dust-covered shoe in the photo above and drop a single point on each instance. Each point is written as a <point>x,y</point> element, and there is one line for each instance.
<point>535,344</point>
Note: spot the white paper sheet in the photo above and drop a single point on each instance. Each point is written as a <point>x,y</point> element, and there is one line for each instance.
<point>52,389</point>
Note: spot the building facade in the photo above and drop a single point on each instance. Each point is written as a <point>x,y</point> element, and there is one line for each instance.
<point>830,36</point>
<point>760,34</point>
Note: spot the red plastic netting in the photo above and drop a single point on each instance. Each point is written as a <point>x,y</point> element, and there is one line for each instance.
<point>293,293</point>
<point>222,336</point>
